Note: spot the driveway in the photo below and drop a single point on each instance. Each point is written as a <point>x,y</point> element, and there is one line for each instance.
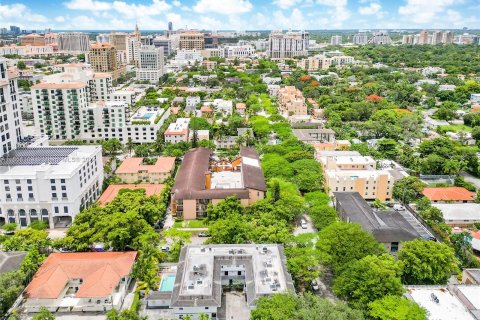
<point>310,228</point>
<point>468,177</point>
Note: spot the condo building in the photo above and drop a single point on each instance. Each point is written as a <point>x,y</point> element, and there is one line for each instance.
<point>150,67</point>
<point>73,42</point>
<point>291,101</point>
<point>10,115</point>
<point>287,45</point>
<point>202,180</point>
<point>103,58</point>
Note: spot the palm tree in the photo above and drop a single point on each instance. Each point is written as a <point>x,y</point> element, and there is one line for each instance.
<point>129,145</point>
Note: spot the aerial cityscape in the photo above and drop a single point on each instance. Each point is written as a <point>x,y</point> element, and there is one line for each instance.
<point>240,159</point>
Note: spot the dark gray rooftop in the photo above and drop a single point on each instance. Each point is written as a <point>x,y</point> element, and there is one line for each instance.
<point>36,156</point>
<point>11,261</point>
<point>385,226</point>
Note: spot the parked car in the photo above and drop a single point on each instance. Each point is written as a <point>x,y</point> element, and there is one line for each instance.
<point>398,207</point>
<point>303,224</point>
<point>165,248</point>
<point>315,286</point>
<point>204,235</point>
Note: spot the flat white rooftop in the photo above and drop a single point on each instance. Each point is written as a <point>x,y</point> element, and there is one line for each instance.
<point>353,174</point>
<point>459,211</point>
<point>449,307</point>
<point>227,180</point>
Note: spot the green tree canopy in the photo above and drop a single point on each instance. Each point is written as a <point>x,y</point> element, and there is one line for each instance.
<point>396,308</point>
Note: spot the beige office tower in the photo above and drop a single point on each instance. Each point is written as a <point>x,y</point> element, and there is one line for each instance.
<point>119,40</point>
<point>190,40</point>
<point>103,58</point>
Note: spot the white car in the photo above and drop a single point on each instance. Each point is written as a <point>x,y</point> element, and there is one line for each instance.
<point>303,224</point>
<point>315,286</point>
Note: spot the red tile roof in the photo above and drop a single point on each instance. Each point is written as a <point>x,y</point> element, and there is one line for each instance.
<point>113,189</point>
<point>100,273</point>
<point>134,165</point>
<point>448,194</point>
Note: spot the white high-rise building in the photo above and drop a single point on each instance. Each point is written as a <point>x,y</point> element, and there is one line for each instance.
<point>51,184</point>
<point>10,115</point>
<point>336,40</point>
<point>287,45</point>
<point>60,101</point>
<point>360,38</point>
<point>150,67</point>
<point>73,42</point>
<point>133,49</point>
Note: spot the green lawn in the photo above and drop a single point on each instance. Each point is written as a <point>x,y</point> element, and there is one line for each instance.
<point>456,128</point>
<point>190,224</point>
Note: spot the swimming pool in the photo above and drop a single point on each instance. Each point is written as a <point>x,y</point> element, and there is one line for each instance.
<point>168,281</point>
<point>148,115</point>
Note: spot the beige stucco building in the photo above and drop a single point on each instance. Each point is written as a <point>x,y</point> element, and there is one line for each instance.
<point>134,170</point>
<point>291,101</point>
<point>348,171</point>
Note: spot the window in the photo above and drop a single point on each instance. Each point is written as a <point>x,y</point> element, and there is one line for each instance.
<point>394,247</point>
<point>56,210</point>
<point>65,209</point>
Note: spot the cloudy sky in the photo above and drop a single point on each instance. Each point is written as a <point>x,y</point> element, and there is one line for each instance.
<point>239,14</point>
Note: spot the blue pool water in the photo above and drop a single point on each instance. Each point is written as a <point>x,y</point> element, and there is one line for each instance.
<point>168,281</point>
<point>148,115</point>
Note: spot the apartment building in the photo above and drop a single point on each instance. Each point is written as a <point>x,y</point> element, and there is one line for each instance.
<point>186,57</point>
<point>239,51</point>
<point>291,101</point>
<point>119,40</point>
<point>360,38</point>
<point>109,119</point>
<point>150,67</point>
<point>348,171</point>
<point>177,131</point>
<point>287,45</point>
<point>26,50</point>
<point>10,115</point>
<point>135,170</point>
<point>164,43</point>
<point>133,50</point>
<point>202,180</point>
<point>322,62</point>
<point>192,40</point>
<point>203,271</point>
<point>73,42</point>
<point>336,40</point>
<point>49,183</point>
<point>103,58</point>
<point>59,102</point>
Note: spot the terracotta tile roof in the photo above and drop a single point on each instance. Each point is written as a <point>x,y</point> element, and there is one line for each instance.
<point>102,75</point>
<point>448,194</point>
<point>72,85</point>
<point>206,109</point>
<point>240,105</point>
<point>134,165</point>
<point>113,189</point>
<point>101,45</point>
<point>100,273</point>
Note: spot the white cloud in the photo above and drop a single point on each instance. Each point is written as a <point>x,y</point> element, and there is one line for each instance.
<point>372,8</point>
<point>425,11</point>
<point>19,14</point>
<point>285,4</point>
<point>332,3</point>
<point>90,5</point>
<point>223,6</point>
<point>60,19</point>
<point>140,10</point>
<point>177,3</point>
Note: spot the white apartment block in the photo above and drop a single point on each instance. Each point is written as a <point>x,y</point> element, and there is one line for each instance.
<point>239,51</point>
<point>128,96</point>
<point>164,43</point>
<point>26,50</point>
<point>187,57</point>
<point>73,42</point>
<point>52,184</point>
<point>321,62</point>
<point>177,131</point>
<point>348,171</point>
<point>133,51</point>
<point>360,38</point>
<point>150,67</point>
<point>61,99</point>
<point>112,120</point>
<point>287,45</point>
<point>336,40</point>
<point>225,107</point>
<point>10,114</point>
